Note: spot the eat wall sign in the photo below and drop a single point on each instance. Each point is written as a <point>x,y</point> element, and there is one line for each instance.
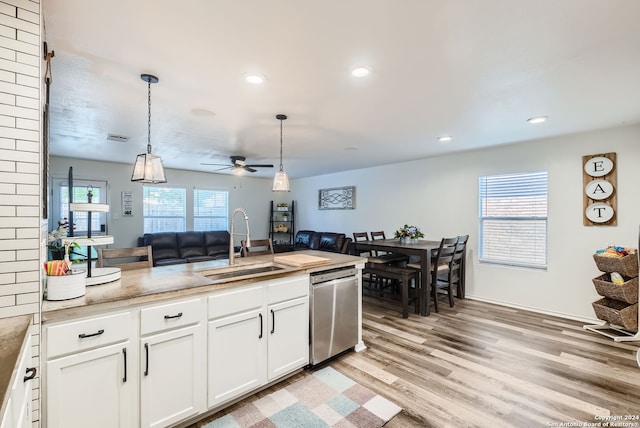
<point>599,199</point>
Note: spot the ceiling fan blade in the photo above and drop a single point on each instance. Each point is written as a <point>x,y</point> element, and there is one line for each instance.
<point>260,166</point>
<point>222,169</point>
<point>248,168</point>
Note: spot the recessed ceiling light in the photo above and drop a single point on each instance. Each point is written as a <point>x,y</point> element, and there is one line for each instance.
<point>445,138</point>
<point>254,78</point>
<point>537,119</point>
<point>360,72</point>
<point>350,148</point>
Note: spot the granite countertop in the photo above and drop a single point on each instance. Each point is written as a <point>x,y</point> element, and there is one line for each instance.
<point>174,281</point>
<point>13,332</point>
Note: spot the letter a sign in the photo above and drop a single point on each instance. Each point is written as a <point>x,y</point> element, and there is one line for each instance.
<point>600,199</point>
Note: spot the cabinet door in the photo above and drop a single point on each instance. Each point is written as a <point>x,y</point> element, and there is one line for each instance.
<point>21,393</point>
<point>288,336</point>
<point>18,410</point>
<point>237,355</point>
<point>94,388</point>
<point>172,368</point>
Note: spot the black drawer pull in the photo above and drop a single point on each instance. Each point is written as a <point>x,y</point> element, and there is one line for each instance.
<point>146,359</point>
<point>273,321</point>
<point>124,354</point>
<point>31,373</point>
<point>83,336</point>
<point>168,317</point>
<point>260,335</point>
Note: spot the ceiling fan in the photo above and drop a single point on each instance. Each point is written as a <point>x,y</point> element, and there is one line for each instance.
<point>238,164</point>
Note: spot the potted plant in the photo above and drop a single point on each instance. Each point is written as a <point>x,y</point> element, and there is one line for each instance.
<point>54,240</point>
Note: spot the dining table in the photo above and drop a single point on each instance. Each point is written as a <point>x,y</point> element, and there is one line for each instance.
<point>422,248</point>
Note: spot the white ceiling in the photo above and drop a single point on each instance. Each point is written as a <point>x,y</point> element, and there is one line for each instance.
<point>475,69</point>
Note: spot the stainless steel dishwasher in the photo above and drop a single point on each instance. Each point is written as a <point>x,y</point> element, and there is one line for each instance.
<point>333,312</point>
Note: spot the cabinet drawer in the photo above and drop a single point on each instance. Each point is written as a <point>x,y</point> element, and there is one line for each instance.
<point>85,334</point>
<point>288,288</point>
<point>171,315</point>
<point>236,300</point>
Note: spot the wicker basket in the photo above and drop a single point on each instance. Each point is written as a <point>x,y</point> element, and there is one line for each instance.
<point>625,266</point>
<point>626,292</point>
<point>617,313</point>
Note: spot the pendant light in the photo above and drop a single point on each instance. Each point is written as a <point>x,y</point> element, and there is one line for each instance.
<point>281,179</point>
<point>148,167</point>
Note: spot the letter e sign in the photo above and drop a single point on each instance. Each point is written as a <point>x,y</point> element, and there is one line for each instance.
<point>600,203</point>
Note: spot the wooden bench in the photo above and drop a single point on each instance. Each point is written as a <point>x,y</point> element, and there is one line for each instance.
<point>402,276</point>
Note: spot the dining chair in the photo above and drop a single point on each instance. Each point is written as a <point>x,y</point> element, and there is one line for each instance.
<point>387,256</point>
<point>373,256</point>
<point>460,281</point>
<point>440,265</point>
<point>259,247</point>
<point>125,258</point>
<point>453,277</point>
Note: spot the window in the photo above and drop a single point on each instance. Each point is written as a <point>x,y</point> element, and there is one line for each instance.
<point>164,209</point>
<point>60,205</point>
<point>513,219</point>
<point>210,210</point>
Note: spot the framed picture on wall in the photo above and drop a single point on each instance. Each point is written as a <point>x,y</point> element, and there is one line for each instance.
<point>337,198</point>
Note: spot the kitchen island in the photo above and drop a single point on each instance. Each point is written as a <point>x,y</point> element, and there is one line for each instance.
<point>167,345</point>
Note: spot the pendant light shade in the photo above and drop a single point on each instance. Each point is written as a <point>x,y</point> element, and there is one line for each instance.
<point>148,167</point>
<point>281,179</point>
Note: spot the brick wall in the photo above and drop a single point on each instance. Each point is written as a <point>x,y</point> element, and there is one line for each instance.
<point>21,229</point>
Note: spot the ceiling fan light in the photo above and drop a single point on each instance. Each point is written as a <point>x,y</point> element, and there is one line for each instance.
<point>148,169</point>
<point>281,182</point>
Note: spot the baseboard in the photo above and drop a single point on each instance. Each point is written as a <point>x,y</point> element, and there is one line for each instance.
<point>536,310</point>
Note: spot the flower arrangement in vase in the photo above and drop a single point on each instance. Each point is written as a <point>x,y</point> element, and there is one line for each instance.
<point>409,232</point>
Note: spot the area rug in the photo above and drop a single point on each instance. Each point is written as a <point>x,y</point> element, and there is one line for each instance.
<point>325,398</point>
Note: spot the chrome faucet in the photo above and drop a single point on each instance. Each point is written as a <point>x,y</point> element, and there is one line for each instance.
<point>231,233</point>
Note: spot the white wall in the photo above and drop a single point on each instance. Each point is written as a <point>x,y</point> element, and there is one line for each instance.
<point>440,195</point>
<point>252,194</point>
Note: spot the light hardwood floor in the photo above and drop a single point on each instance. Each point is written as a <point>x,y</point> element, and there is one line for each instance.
<point>483,365</point>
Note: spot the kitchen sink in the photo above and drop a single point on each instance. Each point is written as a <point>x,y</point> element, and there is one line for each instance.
<point>240,271</point>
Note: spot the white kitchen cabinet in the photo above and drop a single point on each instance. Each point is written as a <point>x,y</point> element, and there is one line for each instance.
<point>237,343</point>
<point>288,314</point>
<point>94,388</point>
<point>172,363</point>
<point>18,411</point>
<point>256,334</point>
<point>288,347</point>
<point>91,374</point>
<point>159,365</point>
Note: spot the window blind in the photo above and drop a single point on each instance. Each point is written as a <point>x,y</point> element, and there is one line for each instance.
<point>513,219</point>
<point>164,209</point>
<point>210,210</point>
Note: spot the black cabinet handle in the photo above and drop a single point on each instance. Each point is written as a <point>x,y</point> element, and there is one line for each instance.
<point>273,321</point>
<point>168,317</point>
<point>98,333</point>
<point>260,335</point>
<point>31,373</point>
<point>124,354</point>
<point>146,359</point>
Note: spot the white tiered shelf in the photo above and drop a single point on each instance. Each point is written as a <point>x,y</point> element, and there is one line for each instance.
<point>98,275</point>
<point>95,276</point>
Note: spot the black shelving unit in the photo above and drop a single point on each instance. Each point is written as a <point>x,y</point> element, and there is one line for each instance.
<point>282,226</point>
